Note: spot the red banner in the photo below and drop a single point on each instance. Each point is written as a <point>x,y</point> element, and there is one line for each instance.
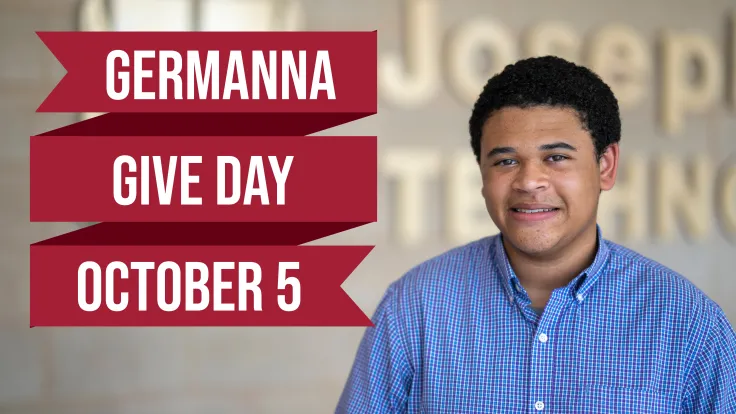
<point>193,286</point>
<point>270,72</point>
<point>202,179</point>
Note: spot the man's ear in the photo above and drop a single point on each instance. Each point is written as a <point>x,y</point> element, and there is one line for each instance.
<point>608,165</point>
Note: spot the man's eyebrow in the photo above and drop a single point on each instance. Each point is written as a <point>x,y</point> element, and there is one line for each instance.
<point>557,145</point>
<point>500,150</point>
<point>545,147</point>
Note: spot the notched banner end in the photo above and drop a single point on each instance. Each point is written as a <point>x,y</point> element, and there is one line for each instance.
<point>355,256</point>
<point>44,36</point>
<point>352,257</point>
<point>48,40</point>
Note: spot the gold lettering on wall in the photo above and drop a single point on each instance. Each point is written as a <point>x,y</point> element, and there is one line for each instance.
<point>691,77</point>
<point>553,38</point>
<point>467,217</point>
<point>411,81</point>
<point>411,169</point>
<point>726,200</point>
<point>469,42</point>
<point>620,56</point>
<point>682,197</point>
<point>628,199</point>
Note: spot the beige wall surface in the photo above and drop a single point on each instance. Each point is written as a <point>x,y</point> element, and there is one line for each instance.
<point>675,200</point>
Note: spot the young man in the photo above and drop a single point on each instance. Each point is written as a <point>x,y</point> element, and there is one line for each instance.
<point>547,316</point>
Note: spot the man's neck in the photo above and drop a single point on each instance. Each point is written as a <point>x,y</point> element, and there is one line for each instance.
<point>540,275</point>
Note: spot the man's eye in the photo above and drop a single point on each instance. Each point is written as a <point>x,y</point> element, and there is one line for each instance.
<point>557,158</point>
<point>505,162</point>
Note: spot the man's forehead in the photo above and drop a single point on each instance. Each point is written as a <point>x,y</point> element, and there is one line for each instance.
<point>516,126</point>
<point>517,120</point>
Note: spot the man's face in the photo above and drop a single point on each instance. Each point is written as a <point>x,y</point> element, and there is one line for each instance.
<point>541,177</point>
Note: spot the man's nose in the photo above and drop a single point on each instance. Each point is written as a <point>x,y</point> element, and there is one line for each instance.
<point>531,177</point>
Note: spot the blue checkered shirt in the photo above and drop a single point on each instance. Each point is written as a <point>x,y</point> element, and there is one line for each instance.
<point>456,334</point>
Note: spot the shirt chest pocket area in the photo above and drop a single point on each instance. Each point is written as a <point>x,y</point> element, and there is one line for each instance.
<point>605,400</point>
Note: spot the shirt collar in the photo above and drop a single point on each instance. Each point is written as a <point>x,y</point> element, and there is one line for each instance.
<point>578,287</point>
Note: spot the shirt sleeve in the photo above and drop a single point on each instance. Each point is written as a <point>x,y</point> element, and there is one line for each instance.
<point>381,375</point>
<point>711,384</point>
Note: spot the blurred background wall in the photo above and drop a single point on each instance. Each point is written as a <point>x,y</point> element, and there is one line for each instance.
<point>671,62</point>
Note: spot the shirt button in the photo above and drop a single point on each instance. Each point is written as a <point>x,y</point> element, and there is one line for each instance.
<point>580,297</point>
<point>543,338</point>
<point>539,405</point>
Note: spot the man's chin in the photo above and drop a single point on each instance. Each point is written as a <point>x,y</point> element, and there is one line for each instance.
<point>532,243</point>
<point>538,249</point>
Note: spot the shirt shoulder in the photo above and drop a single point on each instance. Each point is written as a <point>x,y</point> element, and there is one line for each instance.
<point>655,288</point>
<point>449,270</point>
<point>442,282</point>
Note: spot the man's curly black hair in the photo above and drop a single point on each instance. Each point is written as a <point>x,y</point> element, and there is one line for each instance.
<point>551,81</point>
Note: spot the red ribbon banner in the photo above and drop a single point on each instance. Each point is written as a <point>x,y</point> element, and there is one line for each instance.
<point>254,72</point>
<point>278,179</point>
<point>194,285</point>
<point>204,179</point>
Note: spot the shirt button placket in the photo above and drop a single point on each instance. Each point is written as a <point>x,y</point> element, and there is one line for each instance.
<point>542,355</point>
<point>543,338</point>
